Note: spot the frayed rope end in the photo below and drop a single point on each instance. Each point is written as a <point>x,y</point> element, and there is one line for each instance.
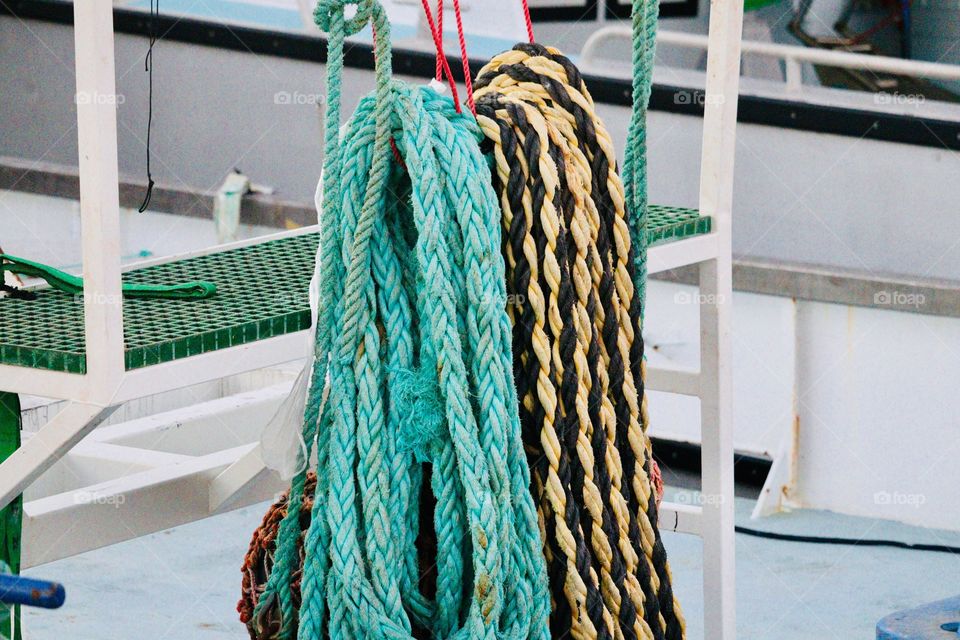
<point>416,397</point>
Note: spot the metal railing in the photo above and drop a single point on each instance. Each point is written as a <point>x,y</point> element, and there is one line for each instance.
<point>793,56</point>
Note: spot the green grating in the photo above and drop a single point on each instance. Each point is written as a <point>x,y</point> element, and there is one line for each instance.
<point>668,224</point>
<point>261,293</point>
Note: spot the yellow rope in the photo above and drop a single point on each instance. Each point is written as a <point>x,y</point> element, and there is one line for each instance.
<point>578,350</point>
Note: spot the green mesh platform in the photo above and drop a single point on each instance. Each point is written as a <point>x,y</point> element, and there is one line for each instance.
<point>261,293</point>
<point>668,224</point>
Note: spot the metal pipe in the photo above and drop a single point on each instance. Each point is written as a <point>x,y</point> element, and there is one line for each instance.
<point>30,592</point>
<point>790,53</point>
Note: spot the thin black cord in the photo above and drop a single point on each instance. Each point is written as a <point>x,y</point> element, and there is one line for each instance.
<point>15,293</point>
<point>896,544</point>
<point>148,67</point>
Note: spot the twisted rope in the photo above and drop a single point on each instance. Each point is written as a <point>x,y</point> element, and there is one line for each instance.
<point>644,24</point>
<point>571,266</point>
<point>412,366</point>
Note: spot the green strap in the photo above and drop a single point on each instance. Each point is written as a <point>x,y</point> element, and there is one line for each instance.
<point>11,516</point>
<point>73,284</point>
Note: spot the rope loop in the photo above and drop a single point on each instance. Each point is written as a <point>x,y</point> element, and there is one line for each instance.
<point>327,10</point>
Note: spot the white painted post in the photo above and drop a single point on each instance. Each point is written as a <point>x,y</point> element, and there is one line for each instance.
<point>99,197</point>
<point>716,197</point>
<point>100,238</point>
<point>794,74</point>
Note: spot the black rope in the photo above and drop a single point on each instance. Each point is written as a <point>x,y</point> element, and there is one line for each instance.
<point>16,293</point>
<point>854,542</point>
<point>148,67</point>
<point>12,291</point>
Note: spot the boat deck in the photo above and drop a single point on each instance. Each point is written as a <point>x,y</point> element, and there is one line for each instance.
<point>184,583</point>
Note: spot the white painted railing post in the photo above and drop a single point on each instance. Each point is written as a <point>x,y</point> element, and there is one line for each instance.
<point>716,288</point>
<point>96,103</point>
<point>794,74</point>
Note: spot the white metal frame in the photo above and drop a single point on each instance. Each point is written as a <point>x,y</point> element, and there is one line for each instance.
<point>91,396</point>
<point>154,471</point>
<point>712,520</point>
<point>793,56</point>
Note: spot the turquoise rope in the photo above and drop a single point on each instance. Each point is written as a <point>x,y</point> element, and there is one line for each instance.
<point>285,556</point>
<point>414,342</point>
<point>644,24</point>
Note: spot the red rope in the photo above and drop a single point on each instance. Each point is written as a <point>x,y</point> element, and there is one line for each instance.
<point>463,58</point>
<point>440,55</point>
<point>438,43</point>
<point>396,154</point>
<point>526,17</point>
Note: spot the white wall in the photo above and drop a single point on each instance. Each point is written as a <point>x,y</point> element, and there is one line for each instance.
<point>880,414</point>
<point>763,365</point>
<point>873,392</point>
<point>47,229</point>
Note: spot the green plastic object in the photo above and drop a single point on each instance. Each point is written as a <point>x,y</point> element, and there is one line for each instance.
<point>261,293</point>
<point>72,284</point>
<point>11,517</point>
<point>753,5</point>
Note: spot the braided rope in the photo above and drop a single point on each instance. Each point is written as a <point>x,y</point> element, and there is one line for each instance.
<point>412,366</point>
<point>578,349</point>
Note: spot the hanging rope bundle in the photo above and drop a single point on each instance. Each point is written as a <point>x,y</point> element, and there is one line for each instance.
<point>578,351</point>
<point>258,563</point>
<point>412,366</point>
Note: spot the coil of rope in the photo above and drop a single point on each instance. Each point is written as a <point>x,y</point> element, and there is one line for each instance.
<point>260,559</point>
<point>412,366</point>
<point>578,350</point>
